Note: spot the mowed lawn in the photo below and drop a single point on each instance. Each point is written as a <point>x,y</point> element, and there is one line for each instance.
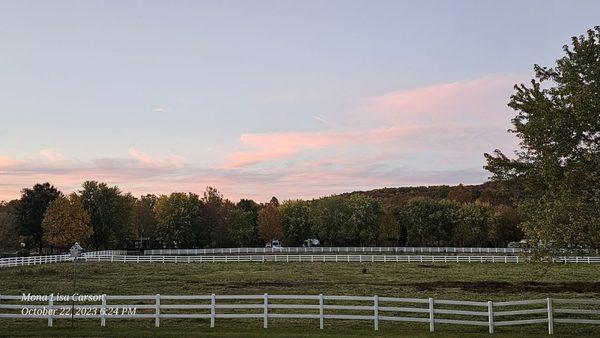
<point>476,281</point>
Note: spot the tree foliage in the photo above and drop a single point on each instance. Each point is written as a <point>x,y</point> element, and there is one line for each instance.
<point>430,222</point>
<point>558,164</point>
<point>112,214</point>
<point>9,227</point>
<point>145,217</point>
<point>297,221</point>
<point>31,208</point>
<point>270,223</point>
<point>241,227</point>
<point>178,220</point>
<point>66,222</point>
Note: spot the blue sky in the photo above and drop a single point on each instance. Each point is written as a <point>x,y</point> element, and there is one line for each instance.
<point>260,98</point>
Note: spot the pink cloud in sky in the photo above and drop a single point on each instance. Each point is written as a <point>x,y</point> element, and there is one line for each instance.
<point>51,156</point>
<point>431,135</point>
<point>477,100</point>
<point>415,118</point>
<point>6,162</point>
<point>170,160</point>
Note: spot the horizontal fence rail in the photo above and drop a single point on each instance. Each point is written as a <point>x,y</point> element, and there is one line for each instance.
<point>324,249</point>
<point>34,260</point>
<point>374,309</point>
<point>17,261</point>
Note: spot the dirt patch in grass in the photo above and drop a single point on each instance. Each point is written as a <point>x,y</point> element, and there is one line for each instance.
<point>508,287</point>
<point>474,287</point>
<point>433,266</point>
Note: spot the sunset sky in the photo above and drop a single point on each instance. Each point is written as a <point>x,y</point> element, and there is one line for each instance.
<point>296,99</point>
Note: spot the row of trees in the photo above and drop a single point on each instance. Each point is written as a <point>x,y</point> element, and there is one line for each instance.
<point>552,184</point>
<point>104,217</point>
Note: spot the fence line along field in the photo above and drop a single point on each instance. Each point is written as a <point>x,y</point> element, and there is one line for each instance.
<point>321,307</point>
<point>441,281</point>
<point>265,258</point>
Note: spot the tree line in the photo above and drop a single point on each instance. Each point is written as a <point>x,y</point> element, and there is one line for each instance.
<point>547,193</point>
<point>103,217</point>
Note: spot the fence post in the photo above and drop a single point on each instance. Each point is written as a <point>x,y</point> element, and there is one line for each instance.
<point>321,312</point>
<point>491,316</point>
<point>376,312</point>
<point>213,309</point>
<point>157,312</point>
<point>550,316</point>
<point>103,311</point>
<point>431,318</point>
<point>50,306</point>
<point>266,317</point>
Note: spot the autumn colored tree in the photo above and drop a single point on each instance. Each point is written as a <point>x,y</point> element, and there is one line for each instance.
<point>270,223</point>
<point>66,222</point>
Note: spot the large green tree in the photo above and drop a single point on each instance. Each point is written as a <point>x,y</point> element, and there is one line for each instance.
<point>145,218</point>
<point>474,225</point>
<point>31,209</point>
<point>430,222</point>
<point>178,218</point>
<point>112,214</point>
<point>297,221</point>
<point>362,226</point>
<point>214,231</point>
<point>241,227</point>
<point>558,164</point>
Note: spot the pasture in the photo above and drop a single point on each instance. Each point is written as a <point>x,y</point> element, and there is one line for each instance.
<point>478,282</point>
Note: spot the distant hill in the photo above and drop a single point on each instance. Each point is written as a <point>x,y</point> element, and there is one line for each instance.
<point>485,192</point>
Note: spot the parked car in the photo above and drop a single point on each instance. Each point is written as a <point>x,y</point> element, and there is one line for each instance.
<point>311,242</point>
<point>274,244</point>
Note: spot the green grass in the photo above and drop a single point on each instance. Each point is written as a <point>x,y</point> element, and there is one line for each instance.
<point>494,282</point>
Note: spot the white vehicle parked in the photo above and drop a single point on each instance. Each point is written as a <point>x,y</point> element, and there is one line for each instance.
<point>311,242</point>
<point>274,244</point>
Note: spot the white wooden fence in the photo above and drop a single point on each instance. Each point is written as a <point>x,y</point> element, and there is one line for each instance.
<point>34,260</point>
<point>324,249</point>
<point>17,261</point>
<point>317,307</point>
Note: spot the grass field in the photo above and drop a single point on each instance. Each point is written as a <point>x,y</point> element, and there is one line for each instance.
<point>494,282</point>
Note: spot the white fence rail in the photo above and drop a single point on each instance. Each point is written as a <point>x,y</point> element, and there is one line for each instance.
<point>34,260</point>
<point>324,249</point>
<point>323,308</point>
<point>105,253</point>
<point>17,261</point>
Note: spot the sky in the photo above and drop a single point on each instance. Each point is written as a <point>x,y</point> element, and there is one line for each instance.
<point>296,99</point>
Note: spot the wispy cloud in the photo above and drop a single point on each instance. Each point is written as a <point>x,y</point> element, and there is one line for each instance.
<point>431,135</point>
<point>162,109</point>
<point>168,161</point>
<point>454,117</point>
<point>320,119</point>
